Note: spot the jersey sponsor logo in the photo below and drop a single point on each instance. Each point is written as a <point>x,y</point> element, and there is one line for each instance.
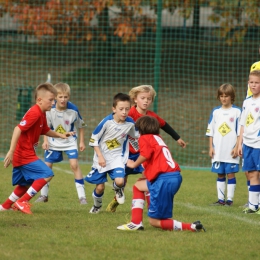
<point>23,123</point>
<point>249,120</point>
<point>117,129</point>
<point>112,144</point>
<point>224,129</point>
<point>60,129</point>
<point>91,140</point>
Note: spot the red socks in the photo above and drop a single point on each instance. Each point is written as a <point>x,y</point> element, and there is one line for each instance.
<point>137,205</point>
<point>171,224</point>
<point>32,191</point>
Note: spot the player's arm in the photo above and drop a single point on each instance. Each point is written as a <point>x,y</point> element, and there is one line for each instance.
<point>211,149</point>
<point>134,164</point>
<point>54,134</point>
<point>234,151</point>
<point>240,142</point>
<point>170,131</point>
<point>101,159</point>
<point>9,156</point>
<point>82,145</point>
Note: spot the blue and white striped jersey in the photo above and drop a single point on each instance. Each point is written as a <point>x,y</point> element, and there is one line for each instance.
<point>223,126</point>
<point>112,139</point>
<point>64,121</point>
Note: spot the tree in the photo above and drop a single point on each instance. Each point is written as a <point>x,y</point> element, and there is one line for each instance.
<point>71,20</point>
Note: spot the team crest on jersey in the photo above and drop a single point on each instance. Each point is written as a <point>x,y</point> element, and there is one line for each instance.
<point>112,144</point>
<point>60,129</point>
<point>224,129</point>
<point>23,123</point>
<point>256,109</point>
<point>67,122</point>
<point>231,119</point>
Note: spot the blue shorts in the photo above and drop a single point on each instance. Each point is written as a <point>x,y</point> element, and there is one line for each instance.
<point>224,168</point>
<point>162,192</point>
<point>26,174</point>
<point>95,177</point>
<point>53,156</point>
<point>251,159</point>
<point>139,169</point>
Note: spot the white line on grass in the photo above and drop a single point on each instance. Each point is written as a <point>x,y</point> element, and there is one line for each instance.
<point>190,206</point>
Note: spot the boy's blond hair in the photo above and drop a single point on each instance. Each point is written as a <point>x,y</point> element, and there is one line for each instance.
<point>62,88</point>
<point>42,88</point>
<point>255,73</point>
<point>140,89</point>
<point>228,90</point>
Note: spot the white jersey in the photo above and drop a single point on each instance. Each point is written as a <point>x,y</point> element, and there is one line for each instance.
<point>224,128</point>
<point>250,119</point>
<point>64,121</point>
<point>112,139</point>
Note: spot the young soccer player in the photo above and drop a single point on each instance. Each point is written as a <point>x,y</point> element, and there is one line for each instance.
<point>30,174</point>
<point>141,99</point>
<point>163,180</point>
<point>63,117</point>
<point>223,132</point>
<point>111,150</point>
<point>249,142</point>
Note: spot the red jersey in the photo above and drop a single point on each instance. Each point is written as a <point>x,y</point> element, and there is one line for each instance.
<point>133,147</point>
<point>158,157</point>
<point>32,126</point>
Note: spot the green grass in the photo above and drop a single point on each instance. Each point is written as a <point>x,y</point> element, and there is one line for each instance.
<point>63,229</point>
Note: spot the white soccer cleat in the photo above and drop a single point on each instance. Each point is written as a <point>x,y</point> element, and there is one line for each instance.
<point>120,196</point>
<point>131,227</point>
<point>95,210</point>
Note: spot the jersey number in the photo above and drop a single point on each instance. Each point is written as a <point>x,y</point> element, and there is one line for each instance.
<point>49,153</point>
<point>168,157</point>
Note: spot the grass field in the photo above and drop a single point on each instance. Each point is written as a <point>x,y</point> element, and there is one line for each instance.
<point>63,229</point>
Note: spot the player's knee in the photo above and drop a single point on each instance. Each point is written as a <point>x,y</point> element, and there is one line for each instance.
<point>100,189</point>
<point>154,222</point>
<point>120,182</point>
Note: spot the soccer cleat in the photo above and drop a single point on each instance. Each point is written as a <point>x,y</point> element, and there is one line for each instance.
<point>83,201</point>
<point>229,203</point>
<point>95,210</point>
<point>42,198</point>
<point>131,227</point>
<point>250,211</point>
<point>120,196</point>
<point>112,206</point>
<point>197,226</point>
<point>4,209</point>
<point>218,203</point>
<point>23,206</point>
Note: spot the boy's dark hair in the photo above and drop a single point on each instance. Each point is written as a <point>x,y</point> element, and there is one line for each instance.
<point>45,87</point>
<point>148,125</point>
<point>228,90</point>
<point>120,97</point>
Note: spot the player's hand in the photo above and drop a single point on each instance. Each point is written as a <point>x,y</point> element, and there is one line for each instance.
<point>234,153</point>
<point>68,134</point>
<point>101,161</point>
<point>239,151</point>
<point>181,143</point>
<point>8,159</point>
<point>211,153</point>
<point>130,163</point>
<point>82,146</point>
<point>45,146</point>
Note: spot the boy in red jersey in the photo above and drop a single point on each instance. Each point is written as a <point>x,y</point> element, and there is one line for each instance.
<point>163,180</point>
<point>142,97</point>
<point>30,174</point>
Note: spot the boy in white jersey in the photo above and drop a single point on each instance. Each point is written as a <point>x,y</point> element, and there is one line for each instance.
<point>249,141</point>
<point>64,116</point>
<point>111,150</point>
<point>223,132</point>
